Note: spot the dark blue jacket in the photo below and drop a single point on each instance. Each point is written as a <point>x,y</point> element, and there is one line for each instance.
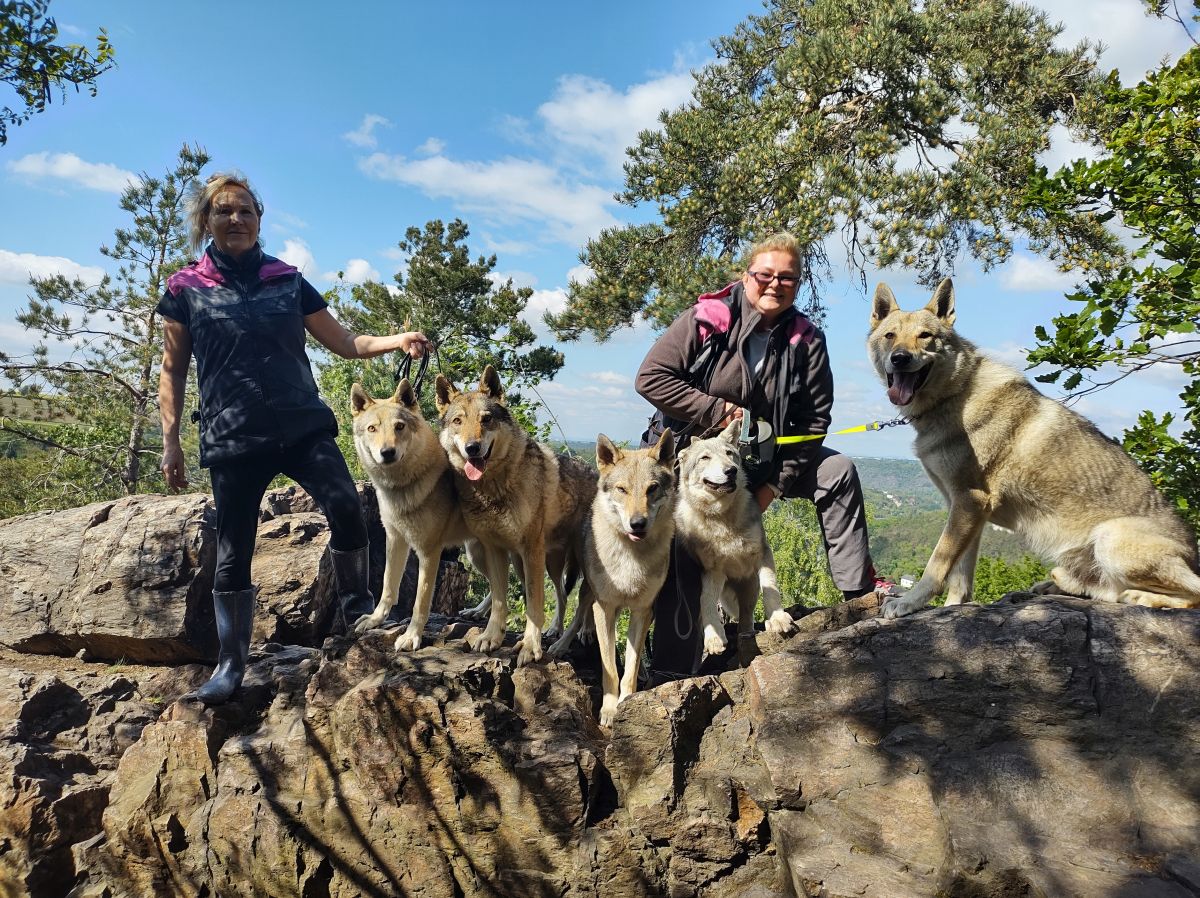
<point>257,391</point>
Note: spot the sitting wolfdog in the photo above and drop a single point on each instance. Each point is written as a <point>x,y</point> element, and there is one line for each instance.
<point>626,551</point>
<point>516,496</point>
<point>1000,451</point>
<point>718,521</point>
<point>417,504</point>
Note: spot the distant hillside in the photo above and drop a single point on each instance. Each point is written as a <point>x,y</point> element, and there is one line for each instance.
<point>897,487</point>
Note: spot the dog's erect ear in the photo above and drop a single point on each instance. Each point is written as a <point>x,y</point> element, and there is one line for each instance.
<point>883,305</point>
<point>942,303</point>
<point>664,449</point>
<point>404,394</point>
<point>444,391</point>
<point>732,431</point>
<point>606,453</point>
<point>489,383</point>
<point>359,400</point>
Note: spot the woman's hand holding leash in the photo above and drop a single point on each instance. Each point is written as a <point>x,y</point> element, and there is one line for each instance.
<point>414,343</point>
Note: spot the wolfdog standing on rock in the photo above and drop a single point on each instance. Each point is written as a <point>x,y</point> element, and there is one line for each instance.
<point>516,496</point>
<point>719,522</point>
<point>1002,452</point>
<point>417,504</point>
<point>626,552</point>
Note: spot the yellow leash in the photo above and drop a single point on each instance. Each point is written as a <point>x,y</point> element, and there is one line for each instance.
<point>861,428</point>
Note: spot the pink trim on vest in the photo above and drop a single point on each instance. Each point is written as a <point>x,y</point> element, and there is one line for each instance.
<point>203,273</point>
<point>713,317</point>
<point>275,269</point>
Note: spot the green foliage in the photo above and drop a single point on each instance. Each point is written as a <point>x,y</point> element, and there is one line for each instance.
<point>903,128</point>
<point>1144,311</point>
<point>800,562</point>
<point>95,365</point>
<point>994,577</point>
<point>473,321</point>
<point>33,65</point>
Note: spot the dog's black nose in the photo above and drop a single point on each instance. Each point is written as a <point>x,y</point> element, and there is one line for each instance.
<point>901,357</point>
<point>637,524</point>
<point>387,455</point>
<point>473,448</point>
<point>730,473</point>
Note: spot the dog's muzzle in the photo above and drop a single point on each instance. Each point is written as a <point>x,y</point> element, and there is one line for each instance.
<point>903,384</point>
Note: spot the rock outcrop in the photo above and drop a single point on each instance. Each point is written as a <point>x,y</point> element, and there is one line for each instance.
<point>1042,746</point>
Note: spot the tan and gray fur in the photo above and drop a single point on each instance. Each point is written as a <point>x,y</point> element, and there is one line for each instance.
<point>516,496</point>
<point>719,522</point>
<point>417,501</point>
<point>626,552</point>
<point>1001,452</point>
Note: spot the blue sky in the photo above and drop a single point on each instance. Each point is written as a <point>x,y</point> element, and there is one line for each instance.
<point>360,120</point>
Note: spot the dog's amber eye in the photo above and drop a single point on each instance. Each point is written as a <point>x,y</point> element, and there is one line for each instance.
<point>371,428</point>
<point>621,490</point>
<point>652,489</point>
<point>890,335</point>
<point>458,420</point>
<point>485,419</point>
<point>924,335</point>
<point>399,426</point>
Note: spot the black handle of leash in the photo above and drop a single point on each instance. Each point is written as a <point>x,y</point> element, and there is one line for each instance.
<point>405,367</point>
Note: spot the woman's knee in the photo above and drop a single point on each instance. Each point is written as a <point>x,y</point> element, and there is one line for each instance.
<point>837,473</point>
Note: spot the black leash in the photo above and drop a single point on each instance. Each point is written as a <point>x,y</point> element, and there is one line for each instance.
<point>404,369</point>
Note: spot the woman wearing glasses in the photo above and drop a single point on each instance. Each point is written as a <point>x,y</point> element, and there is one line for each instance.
<point>747,348</point>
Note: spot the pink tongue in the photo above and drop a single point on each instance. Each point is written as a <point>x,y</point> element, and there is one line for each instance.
<point>473,471</point>
<point>902,389</point>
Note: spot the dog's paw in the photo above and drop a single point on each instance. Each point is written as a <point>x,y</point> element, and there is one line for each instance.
<point>608,711</point>
<point>369,622</point>
<point>554,631</point>
<point>1044,588</point>
<point>558,649</point>
<point>530,651</point>
<point>714,644</point>
<point>408,641</point>
<point>780,622</point>
<point>484,641</point>
<point>899,606</point>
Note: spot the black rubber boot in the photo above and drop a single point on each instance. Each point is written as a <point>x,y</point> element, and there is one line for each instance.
<point>235,620</point>
<point>351,573</point>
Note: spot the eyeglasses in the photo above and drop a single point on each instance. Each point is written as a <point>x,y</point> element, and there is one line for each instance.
<point>785,280</point>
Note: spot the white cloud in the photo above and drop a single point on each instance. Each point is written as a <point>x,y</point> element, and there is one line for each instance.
<point>541,302</point>
<point>296,252</point>
<point>1034,274</point>
<point>610,378</point>
<point>284,222</point>
<point>355,271</point>
<point>504,247</point>
<point>589,115</point>
<point>18,268</point>
<point>432,147</point>
<point>505,190</point>
<point>364,135</point>
<point>519,278</point>
<point>69,167</point>
<point>580,274</point>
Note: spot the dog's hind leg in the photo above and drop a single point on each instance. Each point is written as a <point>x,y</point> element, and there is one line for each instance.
<point>427,565</point>
<point>960,586</point>
<point>534,559</point>
<point>496,568</point>
<point>1149,567</point>
<point>583,614</point>
<point>556,562</point>
<point>478,559</point>
<point>1175,585</point>
<point>778,620</point>
<point>397,560</point>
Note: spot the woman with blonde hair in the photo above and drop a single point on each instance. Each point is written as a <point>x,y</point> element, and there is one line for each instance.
<point>244,316</point>
<point>746,350</point>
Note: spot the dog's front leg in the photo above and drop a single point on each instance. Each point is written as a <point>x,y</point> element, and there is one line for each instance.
<point>393,571</point>
<point>583,614</point>
<point>606,636</point>
<point>427,565</point>
<point>712,585</point>
<point>477,555</point>
<point>963,527</point>
<point>534,558</point>
<point>635,639</point>
<point>961,585</point>
<point>496,568</point>
<point>778,620</point>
